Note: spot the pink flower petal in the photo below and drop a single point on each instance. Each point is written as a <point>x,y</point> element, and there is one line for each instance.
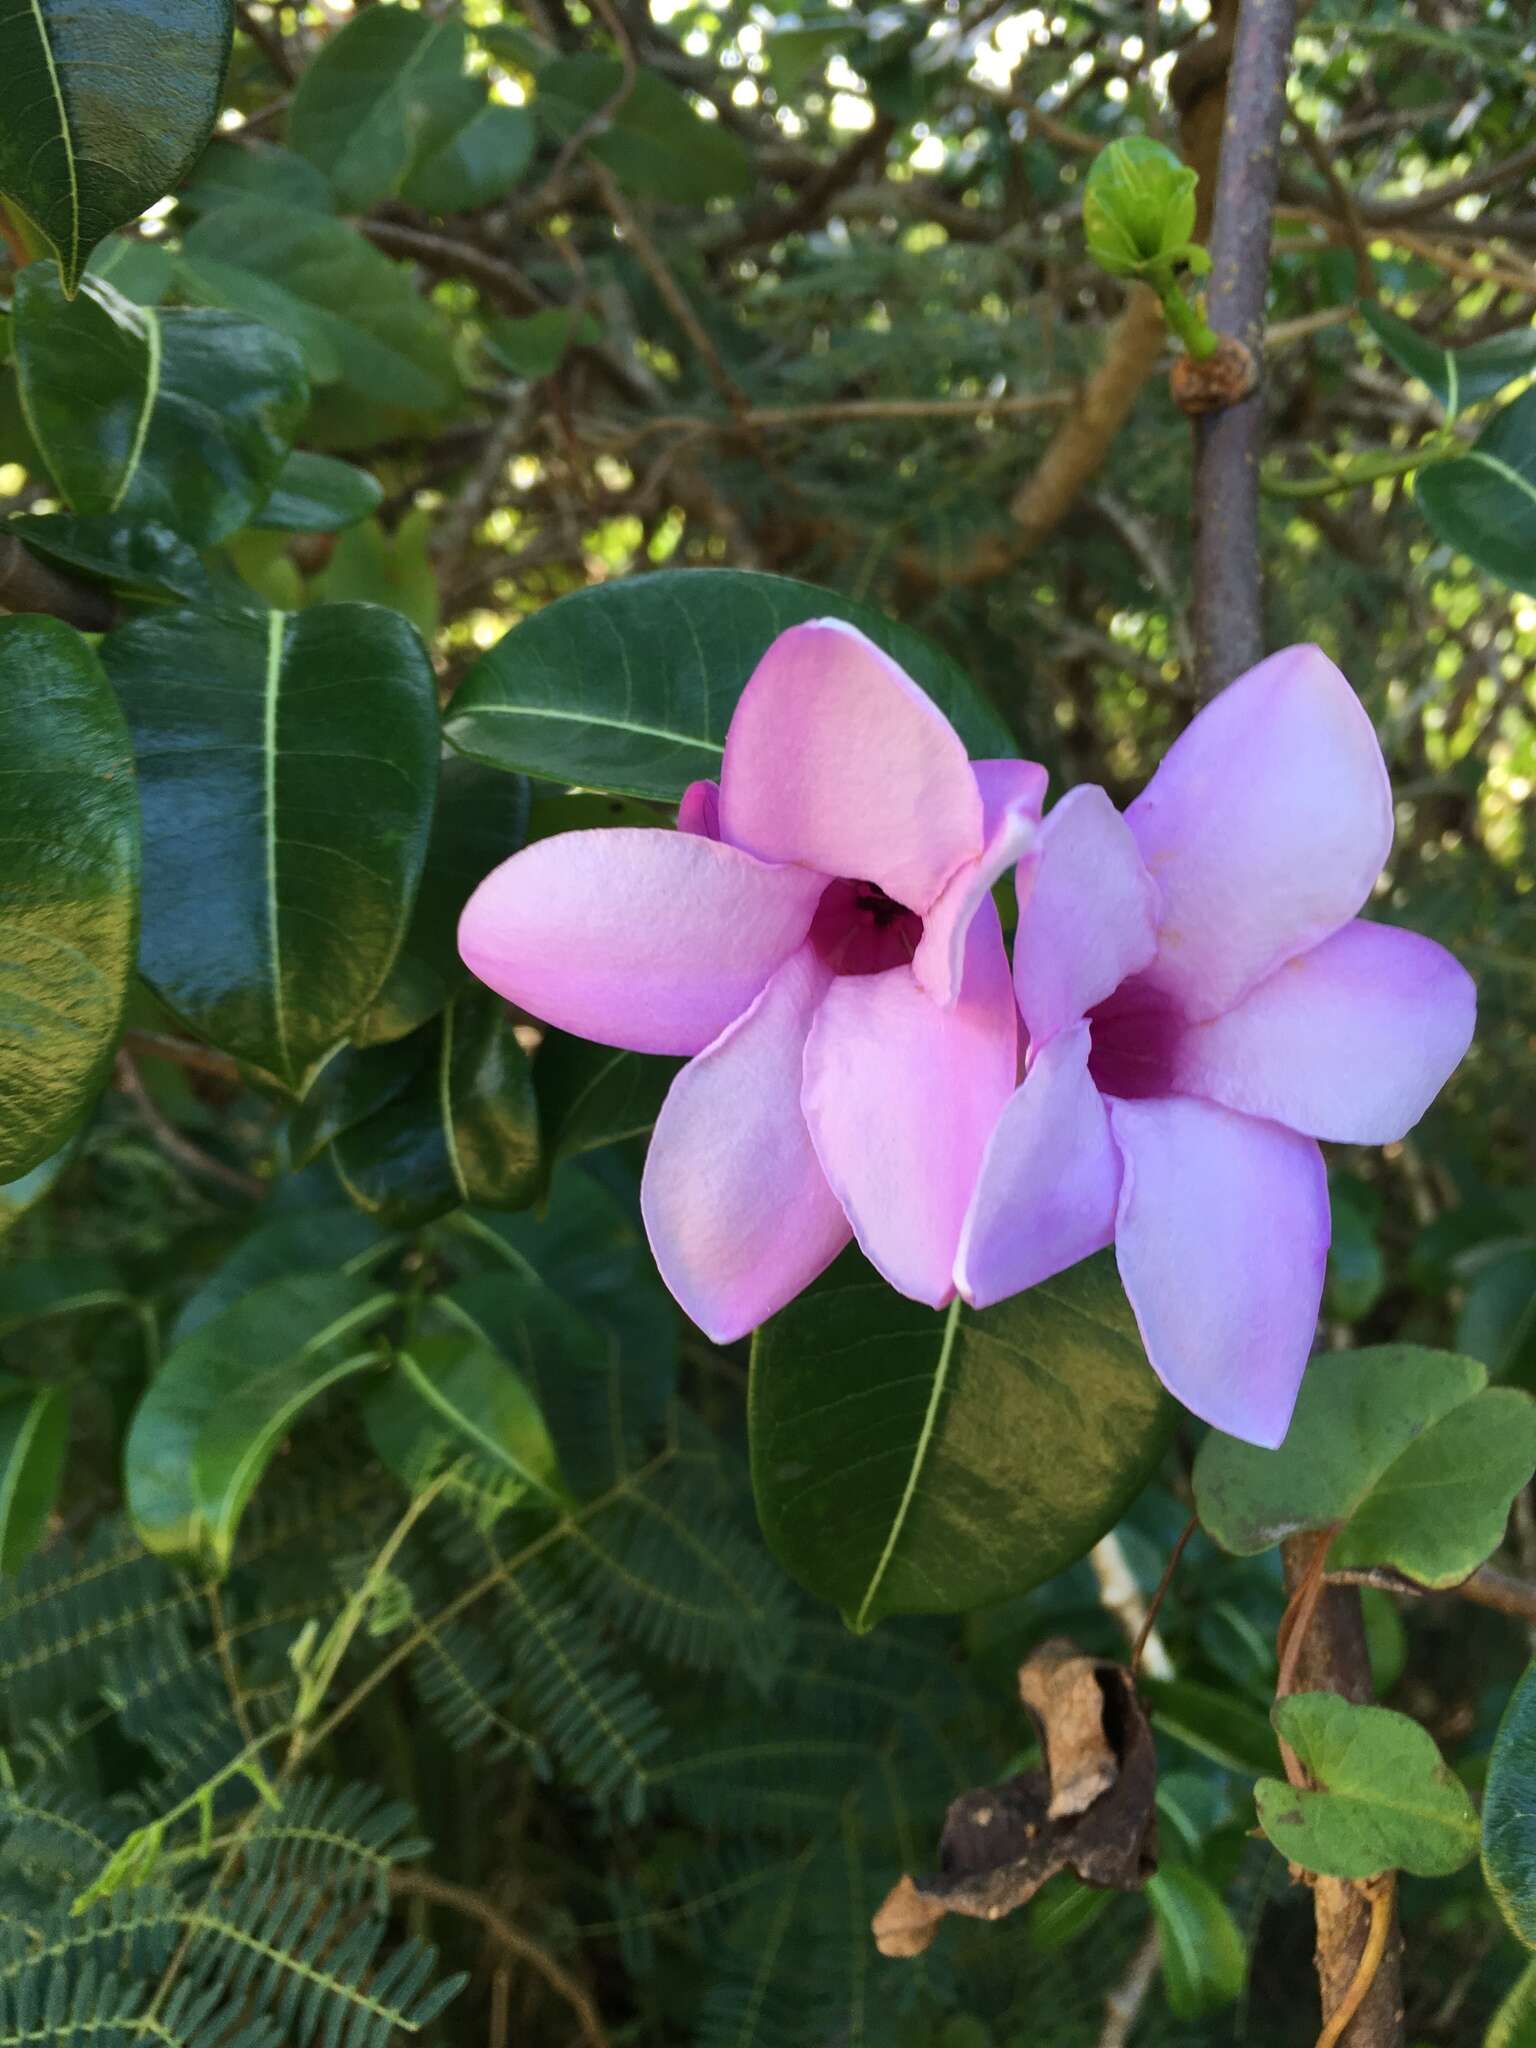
<point>1222,1238</point>
<point>1265,828</point>
<point>901,1096</point>
<point>1087,917</point>
<point>1352,1041</point>
<point>1011,795</point>
<point>737,1209</point>
<point>699,810</point>
<point>836,759</point>
<point>1049,1181</point>
<point>650,940</point>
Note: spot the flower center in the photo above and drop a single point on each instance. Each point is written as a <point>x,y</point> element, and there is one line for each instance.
<point>1135,1032</point>
<point>858,929</point>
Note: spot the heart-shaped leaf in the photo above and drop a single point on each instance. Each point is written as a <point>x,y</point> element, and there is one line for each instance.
<point>106,107</point>
<point>71,883</point>
<point>1409,1450</point>
<point>34,1432</point>
<point>287,765</point>
<point>226,1396</point>
<point>1509,1822</point>
<point>1385,1798</point>
<point>1484,502</point>
<point>630,685</point>
<point>183,418</point>
<point>913,1462</point>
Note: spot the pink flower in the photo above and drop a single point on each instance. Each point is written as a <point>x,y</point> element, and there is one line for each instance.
<point>819,934</point>
<point>1202,1005</point>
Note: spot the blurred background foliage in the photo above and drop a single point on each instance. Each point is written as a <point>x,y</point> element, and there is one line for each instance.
<point>585,291</point>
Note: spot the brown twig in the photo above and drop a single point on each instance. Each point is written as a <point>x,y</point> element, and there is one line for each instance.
<point>181,1052</point>
<point>1381,1891</point>
<point>1138,1648</point>
<point>422,1884</point>
<point>269,41</point>
<point>172,1142</point>
<point>1123,2006</point>
<point>597,121</point>
<point>1354,227</point>
<point>1487,1587</point>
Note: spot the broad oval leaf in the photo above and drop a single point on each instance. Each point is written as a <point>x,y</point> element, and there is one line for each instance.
<point>318,494</point>
<point>287,765</point>
<point>229,171</point>
<point>1409,1450</point>
<point>40,1290</point>
<point>71,882</point>
<point>651,139</point>
<point>34,1433</point>
<point>334,1239</point>
<point>137,560</point>
<point>462,1126</point>
<point>1484,502</point>
<point>446,1396</point>
<point>1385,1799</point>
<point>219,1406</point>
<point>913,1462</point>
<point>476,166</point>
<point>629,685</point>
<point>106,107</point>
<point>386,86</point>
<point>1458,377</point>
<point>182,418</point>
<point>1509,1821</point>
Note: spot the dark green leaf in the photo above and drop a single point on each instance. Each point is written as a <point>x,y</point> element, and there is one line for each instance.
<point>1514,2024</point>
<point>464,1128</point>
<point>630,685</point>
<point>318,494</point>
<point>34,1433</point>
<point>71,880</point>
<point>330,1240</point>
<point>536,345</point>
<point>106,106</point>
<point>1356,1268</point>
<point>912,1462</point>
<point>1484,502</point>
<point>481,820</point>
<point>363,328</point>
<point>652,139</point>
<point>220,1405</point>
<point>476,166</point>
<point>287,766</point>
<point>449,1395</point>
<point>1064,1910</point>
<point>1497,1322</point>
<point>1201,1946</point>
<point>1376,1435</point>
<point>44,1288</point>
<point>1509,1814</point>
<point>179,417</point>
<point>19,1195</point>
<point>592,1095</point>
<point>390,81</point>
<point>228,172</point>
<point>1458,377</point>
<point>1385,1798</point>
<point>141,271</point>
<point>371,566</point>
<point>1213,1724</point>
<point>131,559</point>
<point>349,1089</point>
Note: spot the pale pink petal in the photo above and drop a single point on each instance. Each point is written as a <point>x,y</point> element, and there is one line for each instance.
<point>1265,828</point>
<point>1011,795</point>
<point>647,939</point>
<point>836,759</point>
<point>901,1096</point>
<point>1352,1041</point>
<point>1222,1238</point>
<point>699,810</point>
<point>1087,916</point>
<point>1050,1178</point>
<point>737,1209</point>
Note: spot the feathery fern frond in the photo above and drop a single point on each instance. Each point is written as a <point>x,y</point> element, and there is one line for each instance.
<point>343,1838</point>
<point>465,1685</point>
<point>134,1932</point>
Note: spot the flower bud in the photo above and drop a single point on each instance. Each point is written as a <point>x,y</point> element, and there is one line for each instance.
<point>1139,210</point>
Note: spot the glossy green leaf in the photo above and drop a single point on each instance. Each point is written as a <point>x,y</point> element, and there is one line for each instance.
<point>1509,1814</point>
<point>477,165</point>
<point>133,559</point>
<point>1408,1449</point>
<point>1199,1943</point>
<point>480,821</point>
<point>1484,502</point>
<point>318,494</point>
<point>1458,377</point>
<point>594,1095</point>
<point>364,330</point>
<point>630,685</point>
<point>228,172</point>
<point>451,1395</point>
<point>106,107</point>
<point>181,417</point>
<point>907,1461</point>
<point>34,1434</point>
<point>141,271</point>
<point>327,1240</point>
<point>42,1289</point>
<point>387,83</point>
<point>1214,1724</point>
<point>287,767</point>
<point>349,1089</point>
<point>1385,1798</point>
<point>464,1128</point>
<point>370,566</point>
<point>1497,1319</point>
<point>225,1397</point>
<point>1065,1909</point>
<point>652,139</point>
<point>1514,2024</point>
<point>71,880</point>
